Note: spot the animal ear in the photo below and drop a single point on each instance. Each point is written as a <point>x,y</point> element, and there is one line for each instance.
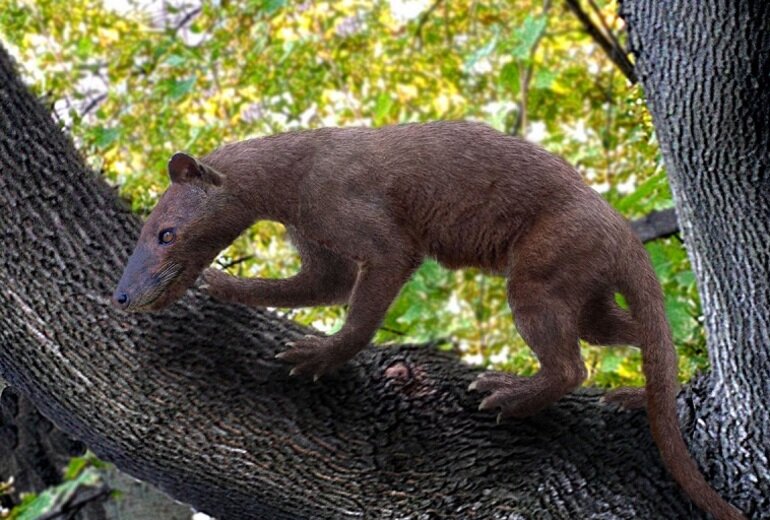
<point>184,168</point>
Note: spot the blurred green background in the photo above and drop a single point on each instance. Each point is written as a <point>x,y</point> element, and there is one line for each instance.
<point>133,82</point>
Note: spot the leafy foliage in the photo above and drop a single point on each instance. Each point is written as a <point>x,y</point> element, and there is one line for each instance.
<point>133,87</point>
<point>82,472</point>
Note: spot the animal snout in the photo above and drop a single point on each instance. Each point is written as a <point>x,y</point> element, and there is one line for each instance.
<point>120,300</point>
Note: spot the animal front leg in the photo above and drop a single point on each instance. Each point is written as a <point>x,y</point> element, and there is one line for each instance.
<point>375,289</point>
<point>325,279</point>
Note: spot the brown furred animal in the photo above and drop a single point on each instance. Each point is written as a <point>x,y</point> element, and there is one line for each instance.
<point>365,207</point>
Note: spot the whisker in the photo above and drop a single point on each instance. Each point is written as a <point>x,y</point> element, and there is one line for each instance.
<point>167,274</point>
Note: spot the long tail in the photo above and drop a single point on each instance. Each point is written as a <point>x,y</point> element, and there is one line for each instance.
<point>642,290</point>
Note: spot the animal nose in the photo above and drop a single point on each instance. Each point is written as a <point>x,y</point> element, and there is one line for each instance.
<point>121,300</point>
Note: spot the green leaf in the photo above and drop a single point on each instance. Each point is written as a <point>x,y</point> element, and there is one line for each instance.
<point>646,188</point>
<point>509,76</point>
<point>413,314</point>
<point>175,60</point>
<point>382,108</point>
<point>104,137</point>
<point>75,467</point>
<point>85,47</point>
<point>610,362</point>
<point>686,278</point>
<point>544,79</point>
<point>660,260</point>
<point>179,88</point>
<point>679,317</point>
<point>527,35</point>
<point>483,52</point>
<point>51,498</point>
<point>271,6</point>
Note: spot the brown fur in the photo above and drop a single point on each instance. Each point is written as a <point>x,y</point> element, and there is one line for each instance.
<point>366,206</point>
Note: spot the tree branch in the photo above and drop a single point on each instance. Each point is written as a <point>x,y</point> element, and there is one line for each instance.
<point>522,121</point>
<point>607,30</point>
<point>236,261</point>
<point>93,103</point>
<point>658,224</point>
<point>607,42</point>
<point>186,19</point>
<point>424,19</point>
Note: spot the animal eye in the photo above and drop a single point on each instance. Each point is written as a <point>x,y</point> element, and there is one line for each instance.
<point>166,236</point>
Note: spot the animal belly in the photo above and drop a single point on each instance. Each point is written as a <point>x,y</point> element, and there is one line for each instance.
<point>481,250</point>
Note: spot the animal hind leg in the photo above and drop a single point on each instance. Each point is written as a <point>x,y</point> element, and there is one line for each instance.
<point>550,327</point>
<point>604,322</point>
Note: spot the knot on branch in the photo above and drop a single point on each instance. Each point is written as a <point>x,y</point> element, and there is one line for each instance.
<point>410,379</point>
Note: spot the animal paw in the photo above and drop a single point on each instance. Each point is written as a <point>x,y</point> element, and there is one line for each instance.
<point>218,284</point>
<point>314,356</point>
<point>515,396</point>
<point>626,398</point>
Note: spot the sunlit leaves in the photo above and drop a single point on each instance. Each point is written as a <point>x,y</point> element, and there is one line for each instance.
<point>103,137</point>
<point>81,472</point>
<point>525,36</point>
<point>482,52</point>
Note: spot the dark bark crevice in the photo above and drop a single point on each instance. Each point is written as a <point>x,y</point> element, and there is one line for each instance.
<point>192,399</point>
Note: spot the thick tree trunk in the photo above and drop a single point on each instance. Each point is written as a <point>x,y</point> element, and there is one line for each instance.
<point>705,67</point>
<point>192,400</point>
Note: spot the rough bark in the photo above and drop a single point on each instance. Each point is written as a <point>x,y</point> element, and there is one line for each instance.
<point>705,68</point>
<point>193,401</point>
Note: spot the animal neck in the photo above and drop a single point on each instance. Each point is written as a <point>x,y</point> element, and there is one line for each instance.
<point>263,174</point>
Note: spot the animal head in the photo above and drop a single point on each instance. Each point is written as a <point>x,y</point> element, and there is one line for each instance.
<point>183,234</point>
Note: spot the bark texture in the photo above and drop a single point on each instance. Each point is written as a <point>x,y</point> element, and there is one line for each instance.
<point>705,67</point>
<point>193,401</point>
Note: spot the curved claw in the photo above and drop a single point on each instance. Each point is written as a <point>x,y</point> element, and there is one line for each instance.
<point>315,356</point>
<point>491,402</point>
<point>512,395</point>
